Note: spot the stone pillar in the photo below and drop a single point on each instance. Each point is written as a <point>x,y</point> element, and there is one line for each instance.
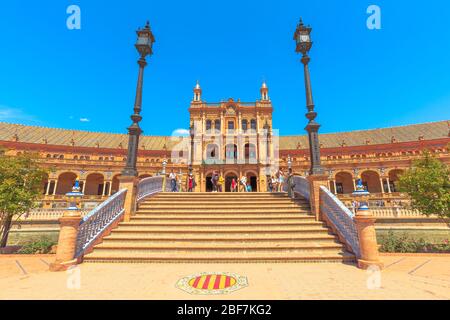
<point>56,186</point>
<point>388,185</point>
<point>47,190</point>
<point>315,182</point>
<point>67,241</point>
<point>382,186</point>
<point>354,184</point>
<point>129,183</point>
<point>365,225</point>
<point>334,186</point>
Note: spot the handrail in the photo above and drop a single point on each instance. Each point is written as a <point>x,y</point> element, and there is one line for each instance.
<point>149,186</point>
<point>341,218</point>
<point>98,220</point>
<point>301,186</point>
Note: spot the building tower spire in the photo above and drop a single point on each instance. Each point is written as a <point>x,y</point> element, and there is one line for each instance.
<point>264,92</point>
<point>197,93</point>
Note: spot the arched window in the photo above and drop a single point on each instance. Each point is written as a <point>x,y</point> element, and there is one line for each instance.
<point>231,151</point>
<point>244,125</point>
<point>208,125</point>
<point>217,126</point>
<point>253,124</point>
<point>250,151</point>
<point>212,151</point>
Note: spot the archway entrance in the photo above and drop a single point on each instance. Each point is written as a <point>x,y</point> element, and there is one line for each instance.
<point>228,180</point>
<point>253,182</point>
<point>209,184</point>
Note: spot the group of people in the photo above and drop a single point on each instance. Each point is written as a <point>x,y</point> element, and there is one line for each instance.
<point>218,182</point>
<point>277,181</point>
<point>176,182</point>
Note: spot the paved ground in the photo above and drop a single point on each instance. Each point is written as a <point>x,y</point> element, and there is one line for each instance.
<point>405,277</point>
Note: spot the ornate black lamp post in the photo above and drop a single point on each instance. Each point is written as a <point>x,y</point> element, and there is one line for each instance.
<point>302,37</point>
<point>266,128</point>
<point>144,47</point>
<point>192,134</point>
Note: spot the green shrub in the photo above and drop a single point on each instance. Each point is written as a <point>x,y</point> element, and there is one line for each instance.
<point>41,246</point>
<point>404,244</point>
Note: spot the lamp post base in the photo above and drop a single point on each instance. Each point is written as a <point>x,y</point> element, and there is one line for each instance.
<point>130,183</point>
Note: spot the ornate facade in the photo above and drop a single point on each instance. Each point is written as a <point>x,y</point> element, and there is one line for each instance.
<point>233,137</point>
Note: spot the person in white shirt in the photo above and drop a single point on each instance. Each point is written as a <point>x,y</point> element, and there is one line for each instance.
<point>244,183</point>
<point>173,181</point>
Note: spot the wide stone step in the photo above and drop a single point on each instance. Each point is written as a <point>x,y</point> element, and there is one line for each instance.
<point>224,210</point>
<point>219,216</point>
<point>225,201</point>
<point>242,247</point>
<point>210,205</point>
<point>224,243</point>
<point>218,229</point>
<point>255,235</point>
<point>204,242</point>
<point>223,222</point>
<point>224,198</point>
<point>218,257</point>
<point>221,194</point>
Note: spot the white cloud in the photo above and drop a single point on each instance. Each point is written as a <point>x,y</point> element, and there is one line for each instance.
<point>84,120</point>
<point>180,133</point>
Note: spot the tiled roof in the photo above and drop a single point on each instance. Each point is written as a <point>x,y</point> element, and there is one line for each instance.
<point>64,137</point>
<point>425,131</point>
<point>41,135</point>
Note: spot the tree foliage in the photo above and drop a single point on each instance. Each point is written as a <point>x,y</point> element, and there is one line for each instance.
<point>428,185</point>
<point>21,181</point>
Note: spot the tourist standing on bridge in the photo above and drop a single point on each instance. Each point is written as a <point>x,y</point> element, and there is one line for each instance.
<point>233,185</point>
<point>173,181</point>
<point>275,183</point>
<point>221,182</point>
<point>280,180</point>
<point>244,183</point>
<point>191,183</point>
<point>271,183</point>
<point>215,181</point>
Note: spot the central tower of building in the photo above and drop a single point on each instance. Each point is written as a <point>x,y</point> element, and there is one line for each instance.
<point>233,138</point>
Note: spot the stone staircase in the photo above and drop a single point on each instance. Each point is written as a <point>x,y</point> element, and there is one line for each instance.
<point>221,227</point>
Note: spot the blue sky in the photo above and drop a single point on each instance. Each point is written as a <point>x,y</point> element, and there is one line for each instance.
<point>85,79</point>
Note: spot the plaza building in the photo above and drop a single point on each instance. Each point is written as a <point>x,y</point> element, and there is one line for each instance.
<point>231,137</point>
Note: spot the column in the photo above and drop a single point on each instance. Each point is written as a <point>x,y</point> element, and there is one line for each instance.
<point>56,186</point>
<point>104,188</point>
<point>382,187</point>
<point>334,185</point>
<point>388,185</point>
<point>365,225</point>
<point>67,241</point>
<point>354,184</point>
<point>49,182</point>
<point>239,124</point>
